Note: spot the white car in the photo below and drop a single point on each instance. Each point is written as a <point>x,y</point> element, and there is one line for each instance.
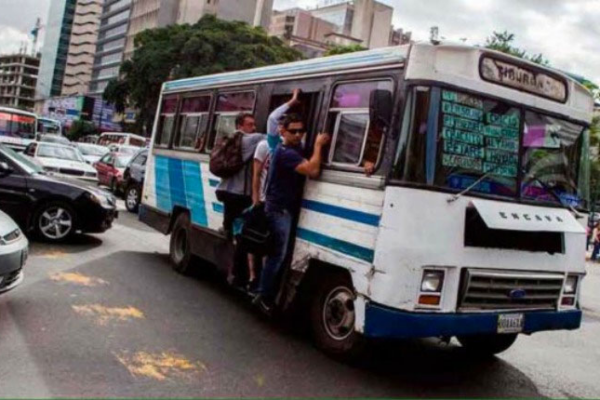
<point>13,253</point>
<point>92,153</point>
<point>61,160</point>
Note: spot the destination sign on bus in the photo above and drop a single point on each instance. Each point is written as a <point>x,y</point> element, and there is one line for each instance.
<point>523,78</point>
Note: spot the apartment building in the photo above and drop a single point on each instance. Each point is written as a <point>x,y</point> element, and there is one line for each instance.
<point>18,78</point>
<point>82,47</point>
<point>110,46</point>
<point>56,45</point>
<point>367,21</point>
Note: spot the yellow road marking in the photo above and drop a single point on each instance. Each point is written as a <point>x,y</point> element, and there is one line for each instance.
<point>260,380</point>
<point>104,315</point>
<point>77,278</point>
<point>159,366</point>
<point>54,254</point>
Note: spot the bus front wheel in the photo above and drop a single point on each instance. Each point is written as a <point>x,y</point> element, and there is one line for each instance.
<point>487,345</point>
<point>180,251</point>
<point>332,317</point>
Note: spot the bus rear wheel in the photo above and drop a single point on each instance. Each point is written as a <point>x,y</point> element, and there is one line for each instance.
<point>332,318</point>
<point>487,345</point>
<point>180,251</point>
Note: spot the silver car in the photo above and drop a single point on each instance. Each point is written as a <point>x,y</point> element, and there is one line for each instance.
<point>13,253</point>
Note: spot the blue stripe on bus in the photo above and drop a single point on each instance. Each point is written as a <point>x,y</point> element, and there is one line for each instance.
<point>340,246</point>
<point>163,192</point>
<point>218,208</point>
<point>176,182</point>
<point>195,192</point>
<point>213,182</point>
<point>340,212</point>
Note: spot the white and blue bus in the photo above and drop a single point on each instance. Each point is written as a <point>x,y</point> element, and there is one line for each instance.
<point>18,128</point>
<point>471,226</point>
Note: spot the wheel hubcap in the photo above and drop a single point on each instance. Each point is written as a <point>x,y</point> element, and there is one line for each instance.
<point>338,313</point>
<point>56,223</point>
<point>132,198</point>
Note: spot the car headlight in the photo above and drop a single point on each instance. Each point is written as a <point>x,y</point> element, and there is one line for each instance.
<point>571,284</point>
<point>432,282</point>
<point>100,200</point>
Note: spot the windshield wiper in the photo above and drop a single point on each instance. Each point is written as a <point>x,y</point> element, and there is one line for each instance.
<point>549,189</point>
<point>457,196</point>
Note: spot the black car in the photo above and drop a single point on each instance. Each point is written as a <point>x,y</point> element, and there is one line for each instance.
<point>133,180</point>
<point>53,208</point>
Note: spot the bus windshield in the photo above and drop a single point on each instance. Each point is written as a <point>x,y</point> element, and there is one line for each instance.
<point>17,125</point>
<point>458,138</point>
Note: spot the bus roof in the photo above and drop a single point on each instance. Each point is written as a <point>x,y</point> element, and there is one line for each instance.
<point>455,64</point>
<point>17,111</point>
<point>324,65</point>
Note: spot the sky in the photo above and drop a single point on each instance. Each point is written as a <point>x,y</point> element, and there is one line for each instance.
<point>566,32</point>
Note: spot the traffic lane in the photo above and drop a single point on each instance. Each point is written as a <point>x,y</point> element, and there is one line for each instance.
<point>127,325</point>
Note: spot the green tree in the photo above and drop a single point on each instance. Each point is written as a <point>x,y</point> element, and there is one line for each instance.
<point>503,42</point>
<point>181,51</point>
<point>80,129</point>
<point>351,48</point>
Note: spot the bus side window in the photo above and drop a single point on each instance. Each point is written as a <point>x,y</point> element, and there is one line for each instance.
<point>229,106</point>
<point>354,139</point>
<point>193,121</point>
<point>166,122</point>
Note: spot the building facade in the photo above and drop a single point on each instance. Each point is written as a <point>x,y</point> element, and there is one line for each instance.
<point>301,30</point>
<point>110,47</point>
<point>18,78</point>
<point>82,47</point>
<point>55,49</point>
<point>368,21</point>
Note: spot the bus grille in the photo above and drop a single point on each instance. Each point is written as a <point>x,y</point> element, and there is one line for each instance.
<point>509,290</point>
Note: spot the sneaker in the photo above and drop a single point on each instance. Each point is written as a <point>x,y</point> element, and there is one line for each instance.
<point>264,305</point>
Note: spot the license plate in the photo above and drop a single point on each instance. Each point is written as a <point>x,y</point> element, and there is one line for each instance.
<point>511,323</point>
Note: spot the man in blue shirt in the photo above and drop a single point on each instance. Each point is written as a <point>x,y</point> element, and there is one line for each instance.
<point>286,173</point>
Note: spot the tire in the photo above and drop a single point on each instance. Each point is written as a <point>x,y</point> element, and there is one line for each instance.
<point>487,345</point>
<point>132,198</point>
<point>331,316</point>
<point>55,222</point>
<point>180,251</point>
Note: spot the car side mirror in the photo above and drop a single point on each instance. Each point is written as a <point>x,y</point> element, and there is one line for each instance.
<point>5,168</point>
<point>381,108</point>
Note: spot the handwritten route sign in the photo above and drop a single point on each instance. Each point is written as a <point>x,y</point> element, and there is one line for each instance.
<point>477,139</point>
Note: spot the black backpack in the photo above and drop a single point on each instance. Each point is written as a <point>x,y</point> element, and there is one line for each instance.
<point>226,157</point>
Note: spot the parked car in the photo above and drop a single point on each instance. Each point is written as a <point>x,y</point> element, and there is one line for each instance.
<point>110,170</point>
<point>92,153</point>
<point>61,160</point>
<point>51,138</point>
<point>13,253</point>
<point>52,207</point>
<point>121,138</point>
<point>133,180</point>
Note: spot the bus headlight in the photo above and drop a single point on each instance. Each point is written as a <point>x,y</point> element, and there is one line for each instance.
<point>571,285</point>
<point>432,282</point>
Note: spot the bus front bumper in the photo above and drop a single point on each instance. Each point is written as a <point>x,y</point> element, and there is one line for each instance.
<point>383,322</point>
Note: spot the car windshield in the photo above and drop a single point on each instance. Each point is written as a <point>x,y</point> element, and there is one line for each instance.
<point>60,152</point>
<point>55,139</point>
<point>461,140</point>
<point>92,150</point>
<point>26,164</point>
<point>122,161</point>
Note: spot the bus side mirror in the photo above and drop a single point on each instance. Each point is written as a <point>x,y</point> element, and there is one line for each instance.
<point>381,108</point>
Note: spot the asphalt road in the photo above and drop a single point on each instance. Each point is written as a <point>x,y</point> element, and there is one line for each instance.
<point>106,316</point>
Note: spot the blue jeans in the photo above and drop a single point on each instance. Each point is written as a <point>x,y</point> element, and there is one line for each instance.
<point>596,251</point>
<point>280,224</point>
